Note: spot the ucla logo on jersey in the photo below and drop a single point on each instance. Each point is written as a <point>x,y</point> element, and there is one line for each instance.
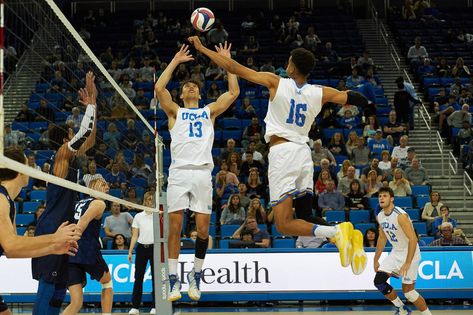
<point>388,226</point>
<point>194,116</point>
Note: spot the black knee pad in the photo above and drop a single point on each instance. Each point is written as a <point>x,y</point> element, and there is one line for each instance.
<point>201,246</point>
<point>303,206</point>
<point>381,283</point>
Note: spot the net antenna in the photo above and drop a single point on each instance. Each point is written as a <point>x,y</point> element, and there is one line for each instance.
<point>36,27</point>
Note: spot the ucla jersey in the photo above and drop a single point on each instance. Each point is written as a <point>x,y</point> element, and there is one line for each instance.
<point>192,138</point>
<point>4,192</point>
<point>292,111</point>
<point>89,244</point>
<point>393,231</point>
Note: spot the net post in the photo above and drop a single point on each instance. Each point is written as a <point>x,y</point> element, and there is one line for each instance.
<point>160,250</point>
<point>2,67</point>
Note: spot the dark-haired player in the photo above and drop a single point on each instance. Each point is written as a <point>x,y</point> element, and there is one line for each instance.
<point>88,216</point>
<point>14,246</point>
<point>51,271</point>
<point>190,178</point>
<point>293,107</point>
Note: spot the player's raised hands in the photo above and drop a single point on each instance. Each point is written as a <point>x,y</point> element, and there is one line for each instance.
<point>195,40</point>
<point>88,95</point>
<point>183,55</point>
<point>225,49</point>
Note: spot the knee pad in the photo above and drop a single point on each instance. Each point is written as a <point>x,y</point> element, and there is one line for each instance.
<point>201,246</point>
<point>412,296</point>
<point>381,283</point>
<point>303,206</point>
<point>107,285</point>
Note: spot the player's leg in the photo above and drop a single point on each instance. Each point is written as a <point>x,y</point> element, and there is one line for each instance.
<point>56,301</point>
<point>4,308</point>
<point>77,299</point>
<point>381,283</point>
<point>408,287</point>
<point>202,221</point>
<point>44,295</point>
<point>107,293</point>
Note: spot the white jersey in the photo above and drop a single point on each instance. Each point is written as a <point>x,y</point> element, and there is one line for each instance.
<point>393,231</point>
<point>192,137</point>
<point>292,111</point>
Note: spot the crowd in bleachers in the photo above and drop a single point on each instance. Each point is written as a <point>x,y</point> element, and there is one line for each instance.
<point>355,151</point>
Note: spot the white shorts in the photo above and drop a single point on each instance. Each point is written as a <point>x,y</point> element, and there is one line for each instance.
<point>190,188</point>
<point>290,172</point>
<point>394,262</point>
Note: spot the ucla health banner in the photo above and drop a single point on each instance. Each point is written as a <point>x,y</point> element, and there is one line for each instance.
<point>266,272</point>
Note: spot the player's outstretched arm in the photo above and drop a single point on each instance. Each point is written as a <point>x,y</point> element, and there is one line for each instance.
<point>408,229</point>
<point>92,93</point>
<point>343,97</point>
<point>267,79</point>
<point>226,99</point>
<point>23,247</point>
<point>164,97</point>
<point>380,244</point>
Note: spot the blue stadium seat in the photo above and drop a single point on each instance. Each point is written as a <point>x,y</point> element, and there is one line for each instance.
<point>420,227</point>
<point>116,192</point>
<point>274,231</point>
<point>44,154</point>
<point>427,239</point>
<point>231,123</point>
<point>30,206</point>
<point>329,132</point>
<point>340,158</point>
<point>403,202</point>
<point>231,134</point>
<point>413,214</point>
<point>139,182</point>
<point>224,243</point>
<point>36,126</point>
<point>421,201</point>
<point>420,190</point>
<point>364,226</point>
<point>374,202</point>
<point>359,216</point>
<point>227,230</point>
<point>212,230</point>
<point>329,245</point>
<point>21,230</point>
<point>335,216</point>
<point>20,126</point>
<point>284,242</point>
<point>38,195</point>
<point>23,219</point>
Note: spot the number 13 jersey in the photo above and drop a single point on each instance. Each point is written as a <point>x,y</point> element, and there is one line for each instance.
<point>292,111</point>
<point>192,137</point>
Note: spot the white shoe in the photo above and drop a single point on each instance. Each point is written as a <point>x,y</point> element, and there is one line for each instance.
<point>134,311</point>
<point>153,311</point>
<point>193,279</point>
<point>174,288</point>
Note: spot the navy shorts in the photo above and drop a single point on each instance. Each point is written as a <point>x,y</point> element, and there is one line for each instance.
<point>77,272</point>
<point>3,306</point>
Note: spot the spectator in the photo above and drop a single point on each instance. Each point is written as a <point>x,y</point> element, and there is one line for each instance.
<point>343,172</point>
<point>39,184</point>
<point>385,163</point>
<point>393,129</point>
<point>130,136</point>
<point>268,67</point>
<point>132,197</point>
<point>354,110</point>
<point>39,211</point>
<point>147,71</point>
<point>400,185</point>
<point>456,87</point>
<point>223,188</point>
<point>372,126</point>
<point>431,209</point>
<point>30,230</point>
<point>91,173</point>
<point>233,213</point>
<point>319,153</point>
<point>372,184</point>
<point>426,69</point>
<point>197,75</point>
<point>411,154</point>
<point>213,92</point>
<point>112,136</point>
<point>351,143</point>
<point>44,112</point>
<point>444,217</point>
<point>139,169</point>
<point>120,242</point>
<point>370,238</point>
<point>117,223</point>
<point>127,87</point>
<point>247,110</point>
<point>75,117</point>
<point>416,174</point>
<point>417,52</point>
<point>256,210</point>
<point>140,100</point>
<point>325,166</point>
<point>251,130</point>
<point>25,114</point>
<point>311,40</point>
<point>388,174</point>
<point>13,137</point>
<point>400,151</point>
<point>225,153</point>
<point>361,154</point>
<point>249,164</point>
<point>146,146</point>
<point>365,61</point>
<point>447,238</point>
<point>260,237</point>
<point>193,237</point>
<point>257,156</point>
<point>244,199</point>
<point>254,186</point>
<point>408,87</point>
<point>336,146</point>
<point>355,199</point>
<point>230,177</point>
<point>464,136</point>
<point>217,35</point>
<point>373,166</point>
<point>443,68</point>
<point>378,144</point>
<point>328,119</point>
<point>328,54</point>
<point>345,182</point>
<point>250,46</point>
<point>331,199</point>
<point>131,71</point>
<point>322,180</point>
<point>115,178</point>
<point>402,105</point>
<point>234,163</point>
<point>349,121</point>
<point>460,69</point>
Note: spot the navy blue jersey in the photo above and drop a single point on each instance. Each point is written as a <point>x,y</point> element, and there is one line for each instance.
<point>89,244</point>
<point>59,208</point>
<point>4,192</point>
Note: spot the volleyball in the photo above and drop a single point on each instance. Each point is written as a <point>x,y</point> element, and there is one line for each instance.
<point>202,19</point>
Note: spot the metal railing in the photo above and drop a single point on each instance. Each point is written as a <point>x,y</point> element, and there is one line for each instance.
<point>467,187</point>
<point>439,142</point>
<point>452,167</point>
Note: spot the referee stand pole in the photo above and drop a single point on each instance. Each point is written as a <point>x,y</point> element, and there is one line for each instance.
<point>160,248</point>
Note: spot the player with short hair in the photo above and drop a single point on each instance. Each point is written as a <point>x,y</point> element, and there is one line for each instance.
<point>190,178</point>
<point>51,271</point>
<point>63,241</point>
<point>403,260</point>
<point>293,107</point>
<point>89,260</point>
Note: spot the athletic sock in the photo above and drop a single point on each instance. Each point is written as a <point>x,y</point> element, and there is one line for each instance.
<point>397,302</point>
<point>324,231</point>
<point>426,312</point>
<point>172,264</point>
<point>198,263</point>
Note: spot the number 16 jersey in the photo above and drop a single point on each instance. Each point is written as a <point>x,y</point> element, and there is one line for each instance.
<point>192,137</point>
<point>292,111</point>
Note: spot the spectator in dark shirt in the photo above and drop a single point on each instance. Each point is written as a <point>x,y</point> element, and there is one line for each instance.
<point>141,101</point>
<point>24,114</point>
<point>44,112</point>
<point>249,164</point>
<point>130,135</point>
<point>393,129</point>
<point>402,105</point>
<point>254,127</point>
<point>260,237</point>
<point>254,186</point>
<point>115,178</point>
<point>101,159</point>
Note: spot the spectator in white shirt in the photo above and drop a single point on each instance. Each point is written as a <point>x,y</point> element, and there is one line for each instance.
<point>400,151</point>
<point>417,52</point>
